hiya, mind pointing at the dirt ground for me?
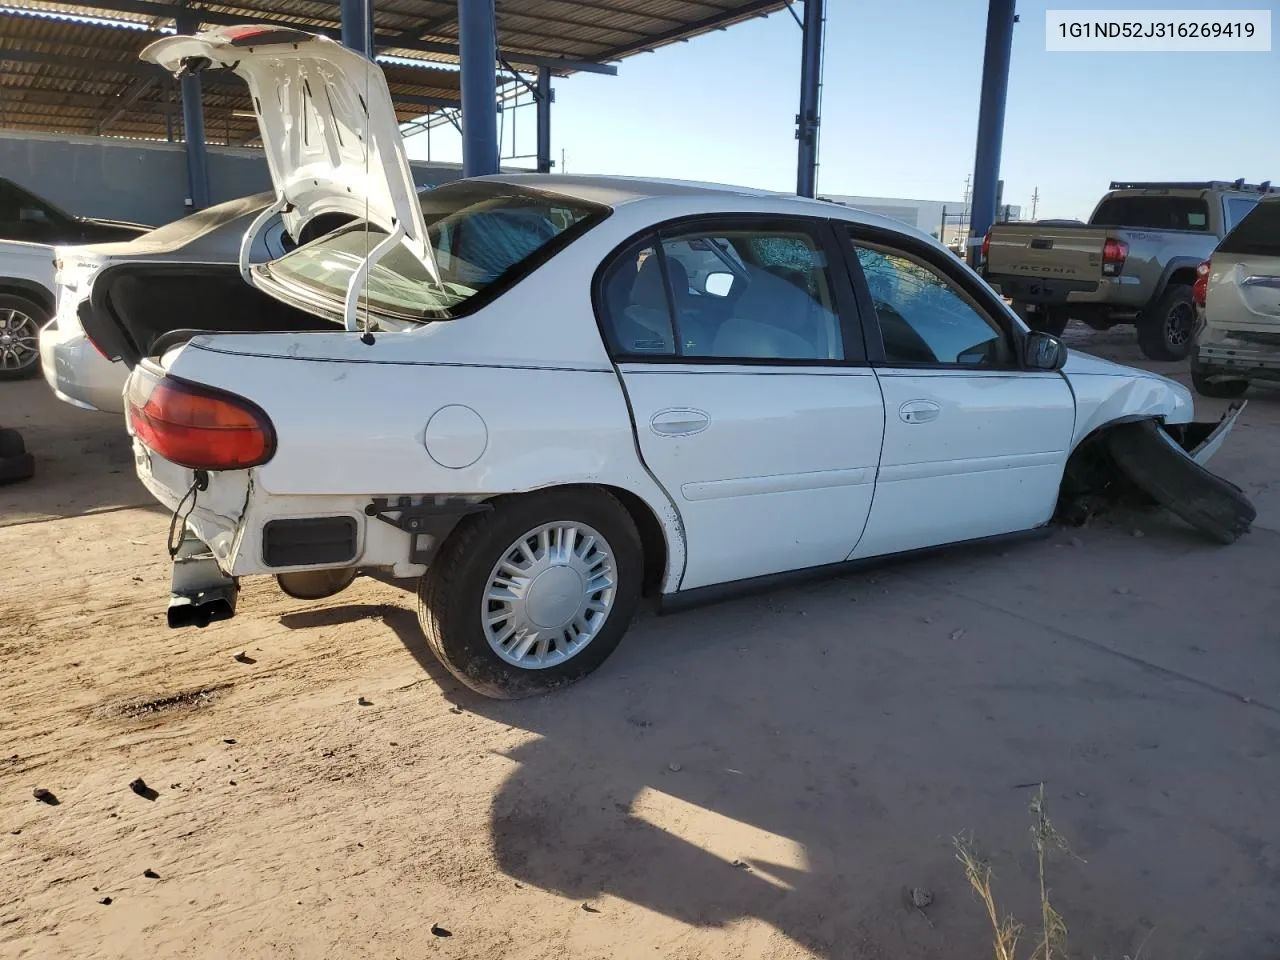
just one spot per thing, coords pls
(762, 779)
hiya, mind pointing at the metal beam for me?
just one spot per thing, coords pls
(382, 41)
(546, 97)
(357, 25)
(754, 8)
(140, 89)
(995, 87)
(477, 40)
(810, 116)
(193, 123)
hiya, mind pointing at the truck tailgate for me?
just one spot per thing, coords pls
(1062, 251)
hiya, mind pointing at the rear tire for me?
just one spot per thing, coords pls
(1218, 389)
(1166, 330)
(20, 323)
(1152, 460)
(525, 583)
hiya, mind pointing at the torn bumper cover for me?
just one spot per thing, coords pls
(1146, 462)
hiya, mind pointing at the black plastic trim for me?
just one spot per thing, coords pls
(718, 592)
(309, 541)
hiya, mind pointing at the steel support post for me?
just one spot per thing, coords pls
(810, 115)
(357, 25)
(478, 52)
(995, 88)
(193, 127)
(545, 99)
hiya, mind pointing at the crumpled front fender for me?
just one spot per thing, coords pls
(1109, 393)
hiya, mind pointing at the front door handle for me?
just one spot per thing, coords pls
(679, 422)
(919, 411)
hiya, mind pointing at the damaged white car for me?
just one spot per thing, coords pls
(550, 397)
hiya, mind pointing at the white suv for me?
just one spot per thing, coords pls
(1238, 288)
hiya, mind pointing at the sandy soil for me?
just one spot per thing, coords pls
(762, 779)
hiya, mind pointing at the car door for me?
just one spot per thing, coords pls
(751, 399)
(974, 446)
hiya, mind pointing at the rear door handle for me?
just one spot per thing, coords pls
(679, 422)
(919, 411)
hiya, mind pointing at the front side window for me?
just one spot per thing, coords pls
(483, 234)
(924, 318)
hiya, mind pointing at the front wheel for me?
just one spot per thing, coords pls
(535, 594)
(1167, 330)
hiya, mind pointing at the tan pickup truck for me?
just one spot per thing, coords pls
(1133, 262)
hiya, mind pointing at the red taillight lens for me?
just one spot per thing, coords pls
(198, 427)
(1114, 254)
(986, 245)
(1200, 289)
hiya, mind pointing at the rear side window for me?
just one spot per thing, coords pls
(485, 237)
(724, 294)
(1238, 208)
(1153, 213)
(1257, 235)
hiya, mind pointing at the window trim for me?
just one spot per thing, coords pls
(819, 229)
(980, 296)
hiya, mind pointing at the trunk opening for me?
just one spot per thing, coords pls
(140, 310)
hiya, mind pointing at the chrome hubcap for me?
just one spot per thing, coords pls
(549, 595)
(18, 340)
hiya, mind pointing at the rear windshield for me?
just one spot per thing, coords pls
(1257, 235)
(486, 236)
(1153, 213)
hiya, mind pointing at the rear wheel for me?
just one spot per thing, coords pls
(20, 323)
(535, 594)
(1167, 330)
(1218, 389)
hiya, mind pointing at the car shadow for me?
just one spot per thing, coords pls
(669, 779)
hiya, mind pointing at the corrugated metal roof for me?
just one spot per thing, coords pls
(71, 76)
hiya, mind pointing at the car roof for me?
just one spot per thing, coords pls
(617, 191)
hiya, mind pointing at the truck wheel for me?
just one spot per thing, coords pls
(1218, 389)
(1167, 329)
(535, 594)
(1151, 459)
(20, 323)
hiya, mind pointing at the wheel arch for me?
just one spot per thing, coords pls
(29, 290)
(661, 544)
(1179, 270)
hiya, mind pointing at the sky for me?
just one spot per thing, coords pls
(900, 109)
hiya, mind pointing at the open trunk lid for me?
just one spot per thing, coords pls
(328, 125)
(1062, 251)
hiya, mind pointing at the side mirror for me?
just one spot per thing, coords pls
(718, 284)
(1043, 351)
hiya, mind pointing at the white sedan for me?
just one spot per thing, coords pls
(549, 397)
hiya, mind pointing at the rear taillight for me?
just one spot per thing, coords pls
(198, 427)
(986, 245)
(1114, 254)
(1200, 289)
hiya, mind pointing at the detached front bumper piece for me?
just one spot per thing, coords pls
(200, 592)
(1169, 469)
